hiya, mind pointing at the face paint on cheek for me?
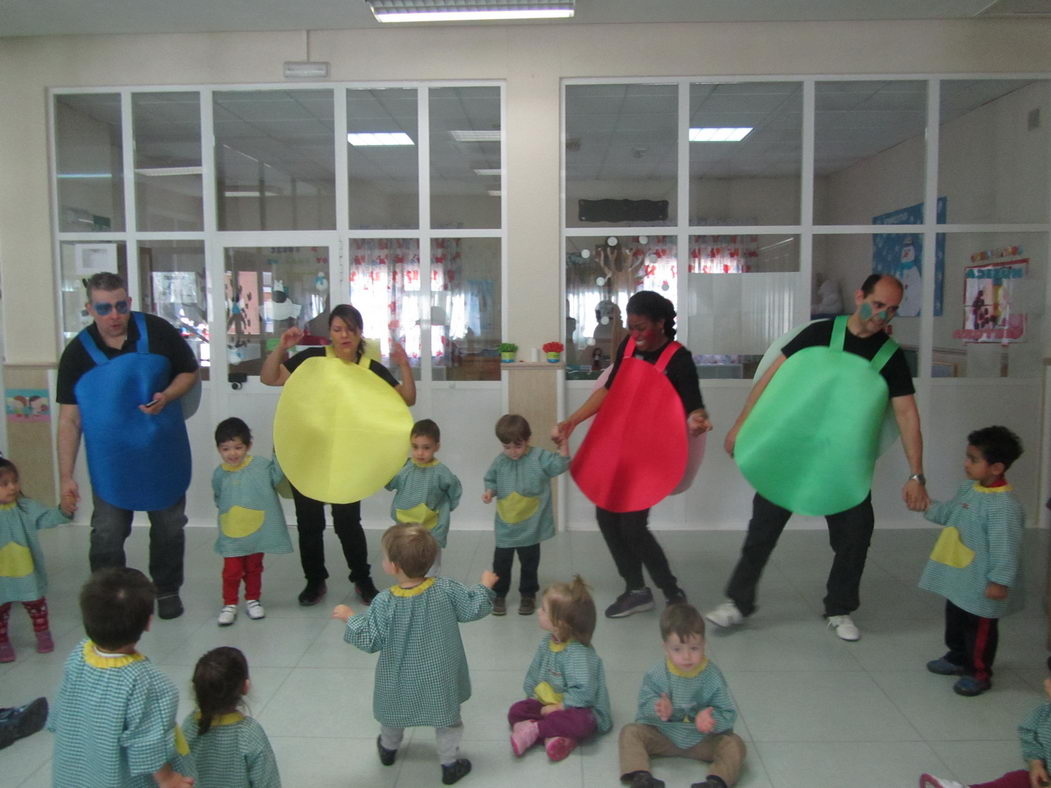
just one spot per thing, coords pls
(884, 316)
(865, 311)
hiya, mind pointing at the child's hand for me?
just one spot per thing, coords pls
(1038, 774)
(995, 591)
(662, 707)
(489, 578)
(342, 612)
(488, 495)
(166, 777)
(705, 721)
(68, 504)
(697, 422)
(550, 707)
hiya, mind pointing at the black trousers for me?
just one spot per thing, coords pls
(972, 641)
(849, 534)
(346, 519)
(528, 563)
(633, 546)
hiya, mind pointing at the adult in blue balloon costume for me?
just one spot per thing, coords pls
(118, 384)
(807, 439)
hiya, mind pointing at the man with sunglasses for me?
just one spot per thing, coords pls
(118, 384)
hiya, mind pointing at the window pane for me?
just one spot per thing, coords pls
(602, 273)
(172, 284)
(270, 289)
(89, 163)
(80, 260)
(384, 177)
(466, 140)
(869, 150)
(992, 151)
(465, 308)
(167, 129)
(755, 180)
(621, 155)
(275, 160)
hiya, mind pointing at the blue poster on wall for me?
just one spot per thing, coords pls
(901, 255)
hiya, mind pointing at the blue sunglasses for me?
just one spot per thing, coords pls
(123, 307)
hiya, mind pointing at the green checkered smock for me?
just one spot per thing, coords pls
(251, 519)
(22, 574)
(573, 671)
(689, 695)
(234, 753)
(114, 722)
(425, 495)
(421, 675)
(1035, 733)
(524, 486)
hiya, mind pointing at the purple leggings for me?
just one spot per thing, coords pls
(1018, 779)
(573, 723)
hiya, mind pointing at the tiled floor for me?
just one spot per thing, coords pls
(815, 711)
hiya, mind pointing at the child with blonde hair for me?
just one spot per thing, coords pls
(567, 700)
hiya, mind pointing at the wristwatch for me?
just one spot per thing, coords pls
(920, 478)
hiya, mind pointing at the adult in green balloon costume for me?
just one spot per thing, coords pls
(807, 439)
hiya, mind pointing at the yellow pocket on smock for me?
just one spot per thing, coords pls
(15, 560)
(240, 522)
(515, 508)
(546, 694)
(418, 515)
(950, 549)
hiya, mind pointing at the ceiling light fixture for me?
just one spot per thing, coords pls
(468, 10)
(161, 171)
(362, 139)
(477, 135)
(719, 134)
(483, 173)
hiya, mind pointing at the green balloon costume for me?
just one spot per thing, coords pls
(819, 419)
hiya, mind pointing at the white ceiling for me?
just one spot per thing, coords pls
(63, 17)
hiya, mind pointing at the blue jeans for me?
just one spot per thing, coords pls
(111, 525)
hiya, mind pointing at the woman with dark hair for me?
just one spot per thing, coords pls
(347, 344)
(651, 327)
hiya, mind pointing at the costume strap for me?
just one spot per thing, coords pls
(629, 348)
(839, 332)
(100, 358)
(669, 350)
(883, 355)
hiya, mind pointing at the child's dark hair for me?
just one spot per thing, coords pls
(218, 684)
(512, 428)
(233, 428)
(411, 548)
(683, 620)
(571, 610)
(352, 317)
(997, 444)
(655, 307)
(426, 428)
(116, 604)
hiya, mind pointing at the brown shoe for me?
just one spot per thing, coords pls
(527, 606)
(499, 606)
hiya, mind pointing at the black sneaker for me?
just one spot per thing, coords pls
(527, 606)
(712, 782)
(386, 756)
(17, 723)
(313, 592)
(455, 770)
(169, 606)
(643, 779)
(367, 590)
(500, 606)
(631, 602)
(676, 597)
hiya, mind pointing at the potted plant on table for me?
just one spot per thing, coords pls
(507, 352)
(554, 351)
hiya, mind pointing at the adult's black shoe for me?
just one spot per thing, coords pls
(312, 594)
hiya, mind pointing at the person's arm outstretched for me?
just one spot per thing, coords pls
(908, 417)
(274, 372)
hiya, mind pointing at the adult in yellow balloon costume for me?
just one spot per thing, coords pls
(341, 431)
(807, 439)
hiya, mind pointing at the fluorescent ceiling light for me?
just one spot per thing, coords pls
(476, 135)
(84, 175)
(468, 10)
(483, 173)
(251, 193)
(379, 138)
(719, 134)
(495, 193)
(158, 171)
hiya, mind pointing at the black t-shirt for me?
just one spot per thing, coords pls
(314, 352)
(895, 371)
(165, 340)
(680, 371)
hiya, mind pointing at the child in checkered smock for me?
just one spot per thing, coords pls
(22, 575)
(230, 749)
(567, 700)
(114, 716)
(426, 491)
(421, 675)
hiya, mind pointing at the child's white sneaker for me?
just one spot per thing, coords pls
(726, 615)
(930, 781)
(254, 609)
(227, 615)
(845, 627)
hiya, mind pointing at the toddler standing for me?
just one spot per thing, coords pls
(976, 562)
(22, 575)
(251, 521)
(520, 481)
(230, 749)
(426, 491)
(421, 675)
(567, 700)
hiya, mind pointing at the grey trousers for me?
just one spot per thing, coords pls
(447, 739)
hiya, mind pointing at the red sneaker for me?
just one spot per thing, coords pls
(558, 747)
(524, 735)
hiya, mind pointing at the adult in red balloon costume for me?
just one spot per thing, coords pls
(649, 404)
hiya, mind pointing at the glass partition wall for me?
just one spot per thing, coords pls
(235, 214)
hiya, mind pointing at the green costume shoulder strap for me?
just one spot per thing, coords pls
(839, 334)
(883, 354)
